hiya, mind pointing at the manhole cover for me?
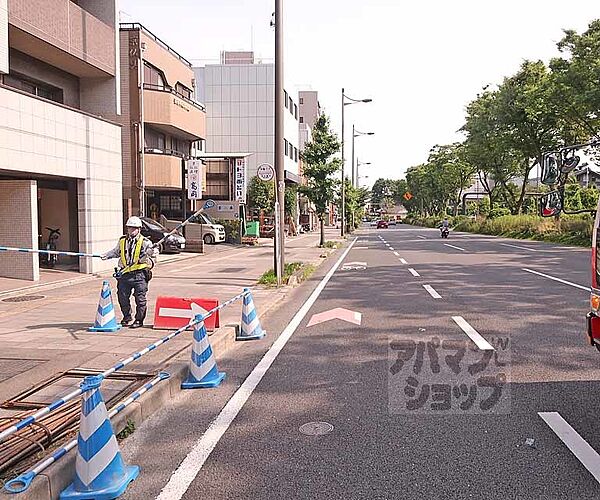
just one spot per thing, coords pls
(24, 298)
(231, 270)
(316, 428)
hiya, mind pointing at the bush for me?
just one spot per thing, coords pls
(232, 230)
(498, 212)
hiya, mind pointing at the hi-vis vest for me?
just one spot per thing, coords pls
(136, 256)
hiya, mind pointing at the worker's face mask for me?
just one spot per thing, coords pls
(132, 232)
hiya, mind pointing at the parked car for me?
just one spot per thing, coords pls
(211, 232)
(374, 223)
(156, 231)
(392, 222)
(382, 224)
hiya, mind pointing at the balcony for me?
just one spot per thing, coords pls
(174, 113)
(63, 35)
(162, 170)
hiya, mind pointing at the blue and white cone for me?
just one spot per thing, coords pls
(106, 321)
(100, 473)
(203, 366)
(250, 328)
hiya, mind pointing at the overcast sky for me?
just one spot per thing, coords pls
(420, 61)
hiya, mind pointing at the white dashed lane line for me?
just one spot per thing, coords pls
(422, 237)
(402, 261)
(413, 272)
(473, 334)
(432, 292)
(456, 248)
(396, 254)
(517, 246)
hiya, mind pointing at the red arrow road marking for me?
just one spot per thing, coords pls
(337, 313)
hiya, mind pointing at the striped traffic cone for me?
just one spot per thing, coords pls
(203, 366)
(100, 473)
(106, 321)
(250, 328)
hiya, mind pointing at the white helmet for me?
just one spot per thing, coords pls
(134, 222)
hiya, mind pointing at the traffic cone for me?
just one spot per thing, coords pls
(106, 320)
(203, 366)
(100, 473)
(250, 328)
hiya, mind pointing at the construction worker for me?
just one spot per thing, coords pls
(135, 253)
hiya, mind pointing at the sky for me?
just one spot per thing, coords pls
(421, 61)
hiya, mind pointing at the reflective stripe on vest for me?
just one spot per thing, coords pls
(136, 256)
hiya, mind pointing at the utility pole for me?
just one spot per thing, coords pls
(279, 241)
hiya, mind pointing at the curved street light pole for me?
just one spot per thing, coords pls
(343, 197)
(356, 133)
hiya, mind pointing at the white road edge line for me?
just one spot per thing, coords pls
(572, 440)
(187, 471)
(402, 261)
(517, 246)
(432, 292)
(413, 272)
(396, 254)
(586, 288)
(457, 248)
(473, 334)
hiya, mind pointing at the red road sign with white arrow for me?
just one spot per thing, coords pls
(337, 313)
(172, 313)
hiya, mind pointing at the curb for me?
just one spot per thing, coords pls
(48, 484)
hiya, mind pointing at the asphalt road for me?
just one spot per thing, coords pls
(419, 407)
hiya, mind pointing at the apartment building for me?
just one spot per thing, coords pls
(60, 148)
(161, 119)
(239, 95)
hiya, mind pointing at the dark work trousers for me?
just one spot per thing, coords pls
(134, 281)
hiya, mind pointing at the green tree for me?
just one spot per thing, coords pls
(319, 169)
(261, 195)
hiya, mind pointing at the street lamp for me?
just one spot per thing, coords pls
(358, 164)
(356, 133)
(344, 103)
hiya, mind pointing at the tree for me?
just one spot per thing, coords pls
(319, 169)
(261, 195)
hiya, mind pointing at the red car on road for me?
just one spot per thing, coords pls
(382, 224)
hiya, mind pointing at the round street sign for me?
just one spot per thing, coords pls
(209, 204)
(265, 172)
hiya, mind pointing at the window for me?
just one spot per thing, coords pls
(295, 112)
(180, 146)
(301, 99)
(153, 76)
(154, 139)
(285, 98)
(296, 155)
(285, 147)
(170, 203)
(301, 119)
(291, 108)
(40, 89)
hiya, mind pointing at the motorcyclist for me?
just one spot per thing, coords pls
(444, 225)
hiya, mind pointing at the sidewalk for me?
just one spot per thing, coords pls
(46, 336)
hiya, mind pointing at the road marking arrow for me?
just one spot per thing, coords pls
(173, 312)
(337, 313)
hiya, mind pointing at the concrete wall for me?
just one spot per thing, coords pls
(38, 137)
(19, 228)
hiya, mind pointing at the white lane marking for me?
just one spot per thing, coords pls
(402, 261)
(473, 334)
(572, 440)
(432, 292)
(413, 272)
(392, 248)
(188, 469)
(361, 248)
(457, 248)
(586, 288)
(422, 237)
(396, 254)
(520, 248)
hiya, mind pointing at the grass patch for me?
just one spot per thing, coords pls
(331, 244)
(127, 431)
(270, 279)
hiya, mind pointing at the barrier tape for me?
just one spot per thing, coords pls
(22, 481)
(52, 252)
(72, 395)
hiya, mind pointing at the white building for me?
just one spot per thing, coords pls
(239, 96)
